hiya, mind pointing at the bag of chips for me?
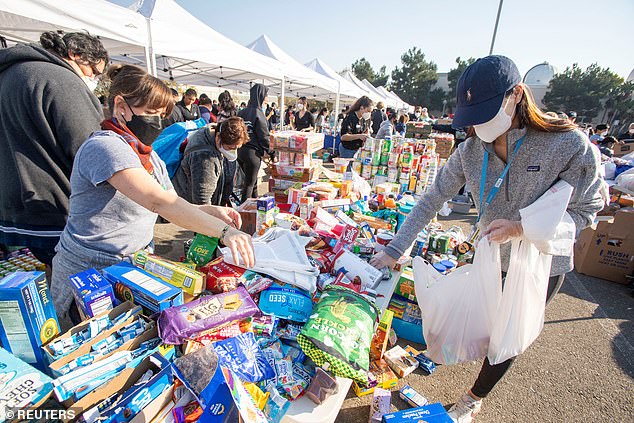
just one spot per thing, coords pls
(339, 332)
(202, 249)
(243, 355)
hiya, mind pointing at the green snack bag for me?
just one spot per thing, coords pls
(339, 332)
(202, 249)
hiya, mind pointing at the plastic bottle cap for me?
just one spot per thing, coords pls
(448, 264)
(440, 268)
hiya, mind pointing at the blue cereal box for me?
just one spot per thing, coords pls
(432, 413)
(21, 386)
(133, 284)
(27, 316)
(93, 293)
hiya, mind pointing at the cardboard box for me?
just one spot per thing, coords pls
(293, 173)
(133, 284)
(385, 377)
(27, 316)
(86, 348)
(606, 250)
(432, 413)
(125, 307)
(136, 399)
(190, 281)
(380, 338)
(405, 285)
(157, 408)
(93, 294)
(400, 361)
(621, 150)
(22, 385)
(248, 213)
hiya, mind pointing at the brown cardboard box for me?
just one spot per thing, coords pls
(621, 150)
(607, 250)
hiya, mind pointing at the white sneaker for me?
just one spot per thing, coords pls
(465, 409)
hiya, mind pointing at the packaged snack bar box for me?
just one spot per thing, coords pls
(133, 284)
(21, 386)
(93, 293)
(27, 316)
(176, 274)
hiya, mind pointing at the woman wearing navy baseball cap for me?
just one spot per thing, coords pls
(511, 139)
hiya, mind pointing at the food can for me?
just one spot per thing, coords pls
(385, 158)
(366, 172)
(387, 146)
(384, 238)
(392, 160)
(357, 166)
(374, 170)
(392, 174)
(376, 159)
(367, 161)
(404, 177)
(382, 171)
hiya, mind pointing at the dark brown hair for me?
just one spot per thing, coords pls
(361, 102)
(84, 45)
(404, 118)
(233, 132)
(226, 103)
(139, 88)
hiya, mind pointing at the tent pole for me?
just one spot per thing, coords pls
(334, 139)
(149, 50)
(282, 106)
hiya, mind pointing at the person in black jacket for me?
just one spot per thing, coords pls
(355, 128)
(187, 106)
(48, 111)
(250, 155)
(176, 115)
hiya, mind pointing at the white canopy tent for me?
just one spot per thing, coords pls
(300, 80)
(398, 103)
(349, 76)
(121, 30)
(377, 93)
(347, 88)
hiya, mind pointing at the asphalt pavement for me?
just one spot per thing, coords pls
(580, 369)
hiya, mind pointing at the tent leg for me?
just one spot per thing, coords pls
(282, 106)
(150, 59)
(334, 139)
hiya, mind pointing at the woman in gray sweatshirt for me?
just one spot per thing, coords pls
(521, 152)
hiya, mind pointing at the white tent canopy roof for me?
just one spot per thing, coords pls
(347, 88)
(349, 76)
(218, 61)
(301, 80)
(121, 30)
(373, 89)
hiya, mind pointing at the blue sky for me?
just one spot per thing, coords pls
(560, 32)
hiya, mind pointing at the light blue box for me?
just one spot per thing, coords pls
(22, 385)
(93, 293)
(432, 413)
(27, 316)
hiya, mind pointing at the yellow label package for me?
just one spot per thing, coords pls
(176, 274)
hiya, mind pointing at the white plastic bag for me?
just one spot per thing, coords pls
(609, 170)
(520, 318)
(547, 224)
(458, 309)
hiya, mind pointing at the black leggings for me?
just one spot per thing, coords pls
(490, 374)
(250, 162)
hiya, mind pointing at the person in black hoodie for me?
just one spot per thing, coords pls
(49, 110)
(250, 155)
(187, 106)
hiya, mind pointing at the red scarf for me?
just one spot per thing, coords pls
(141, 150)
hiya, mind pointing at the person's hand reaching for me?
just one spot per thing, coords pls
(502, 231)
(381, 260)
(241, 247)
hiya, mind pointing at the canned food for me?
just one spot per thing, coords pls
(366, 172)
(357, 166)
(376, 159)
(374, 170)
(382, 171)
(384, 238)
(392, 174)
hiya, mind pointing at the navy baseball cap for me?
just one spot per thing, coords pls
(481, 88)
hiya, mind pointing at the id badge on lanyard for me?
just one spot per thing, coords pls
(475, 231)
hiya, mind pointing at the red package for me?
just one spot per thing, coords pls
(347, 238)
(221, 276)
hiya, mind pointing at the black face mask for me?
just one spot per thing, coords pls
(145, 128)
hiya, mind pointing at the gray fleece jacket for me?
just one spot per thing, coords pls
(200, 178)
(543, 159)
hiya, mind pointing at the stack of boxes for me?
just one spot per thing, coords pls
(444, 144)
(417, 130)
(295, 164)
(407, 321)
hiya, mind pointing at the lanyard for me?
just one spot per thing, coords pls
(496, 188)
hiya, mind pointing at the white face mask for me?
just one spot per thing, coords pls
(91, 83)
(501, 122)
(230, 155)
(299, 107)
(366, 115)
(417, 114)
